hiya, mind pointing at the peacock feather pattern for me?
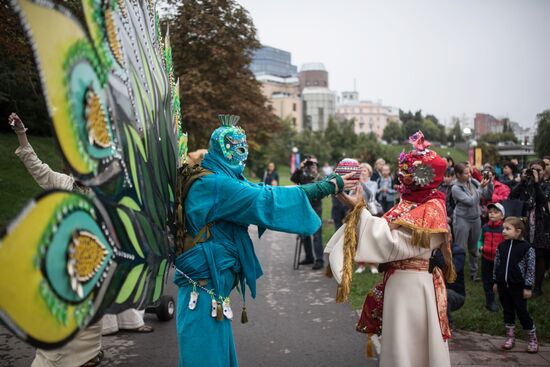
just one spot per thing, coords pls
(114, 103)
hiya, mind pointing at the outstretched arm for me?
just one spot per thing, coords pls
(19, 129)
(285, 209)
(44, 176)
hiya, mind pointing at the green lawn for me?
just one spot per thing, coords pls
(17, 187)
(472, 316)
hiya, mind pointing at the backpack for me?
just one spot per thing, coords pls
(450, 202)
(187, 175)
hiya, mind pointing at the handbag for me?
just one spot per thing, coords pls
(374, 207)
(436, 260)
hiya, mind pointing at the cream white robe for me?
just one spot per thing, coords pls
(411, 335)
(87, 343)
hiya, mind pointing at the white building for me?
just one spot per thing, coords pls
(283, 95)
(368, 116)
(319, 102)
(525, 135)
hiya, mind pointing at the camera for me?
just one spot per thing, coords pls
(529, 172)
(309, 161)
(485, 175)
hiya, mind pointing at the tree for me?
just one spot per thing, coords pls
(494, 138)
(277, 150)
(410, 127)
(405, 116)
(20, 88)
(506, 125)
(418, 116)
(312, 143)
(489, 153)
(430, 130)
(542, 137)
(433, 119)
(212, 45)
(392, 132)
(369, 148)
(455, 135)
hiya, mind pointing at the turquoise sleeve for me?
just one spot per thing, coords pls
(318, 190)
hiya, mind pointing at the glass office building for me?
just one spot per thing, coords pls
(272, 61)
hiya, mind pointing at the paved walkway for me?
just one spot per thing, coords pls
(293, 322)
(473, 349)
(299, 317)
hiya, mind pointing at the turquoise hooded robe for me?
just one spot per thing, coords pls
(231, 203)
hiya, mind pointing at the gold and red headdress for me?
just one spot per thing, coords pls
(421, 170)
(422, 205)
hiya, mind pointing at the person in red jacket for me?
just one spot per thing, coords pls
(494, 192)
(491, 237)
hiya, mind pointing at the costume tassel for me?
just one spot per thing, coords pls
(244, 316)
(328, 271)
(219, 312)
(370, 350)
(350, 247)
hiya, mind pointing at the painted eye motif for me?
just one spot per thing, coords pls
(232, 141)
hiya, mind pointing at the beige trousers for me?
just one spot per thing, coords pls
(85, 346)
(129, 319)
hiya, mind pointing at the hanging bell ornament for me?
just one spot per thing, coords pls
(227, 312)
(193, 299)
(214, 310)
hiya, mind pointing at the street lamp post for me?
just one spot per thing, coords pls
(294, 159)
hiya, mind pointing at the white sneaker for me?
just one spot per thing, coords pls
(360, 269)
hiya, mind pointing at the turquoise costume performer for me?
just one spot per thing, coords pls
(224, 204)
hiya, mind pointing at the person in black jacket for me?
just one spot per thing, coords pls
(534, 192)
(513, 278)
(456, 292)
(446, 188)
(308, 173)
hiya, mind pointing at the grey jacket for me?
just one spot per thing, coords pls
(467, 201)
(44, 176)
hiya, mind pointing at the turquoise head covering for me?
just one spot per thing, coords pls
(228, 150)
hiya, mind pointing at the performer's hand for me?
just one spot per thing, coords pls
(15, 122)
(347, 200)
(527, 293)
(495, 288)
(536, 175)
(19, 129)
(349, 182)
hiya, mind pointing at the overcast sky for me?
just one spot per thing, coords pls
(446, 57)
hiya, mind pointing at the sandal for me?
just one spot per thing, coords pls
(145, 328)
(95, 361)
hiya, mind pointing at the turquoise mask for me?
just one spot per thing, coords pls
(230, 140)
